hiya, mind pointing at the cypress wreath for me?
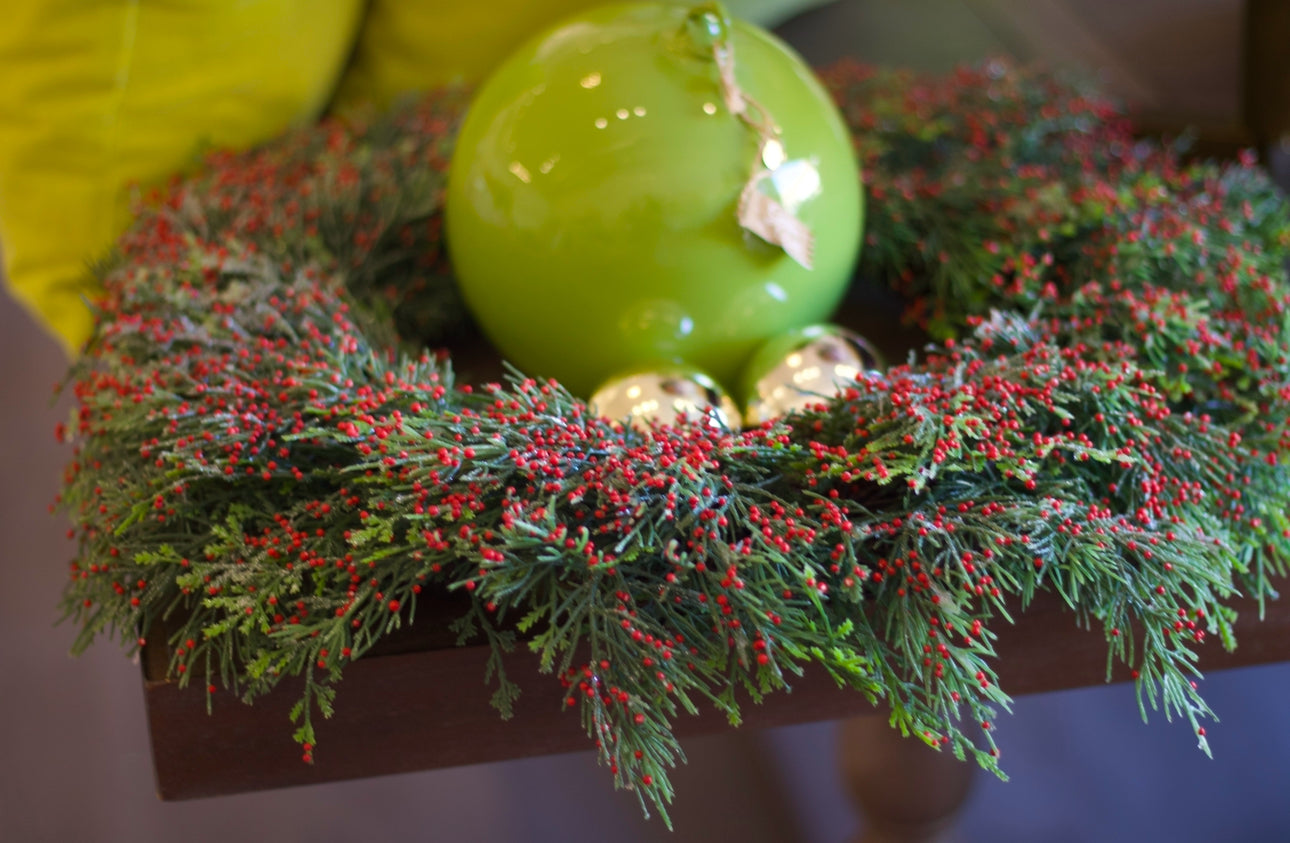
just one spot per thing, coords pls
(267, 457)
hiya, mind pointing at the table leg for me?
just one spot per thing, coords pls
(1267, 82)
(908, 792)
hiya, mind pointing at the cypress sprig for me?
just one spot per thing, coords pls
(269, 465)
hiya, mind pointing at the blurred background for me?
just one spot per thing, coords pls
(74, 762)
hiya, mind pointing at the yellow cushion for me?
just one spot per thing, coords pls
(413, 45)
(96, 96)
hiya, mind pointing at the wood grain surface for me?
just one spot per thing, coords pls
(428, 708)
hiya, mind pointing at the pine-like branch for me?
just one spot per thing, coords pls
(267, 462)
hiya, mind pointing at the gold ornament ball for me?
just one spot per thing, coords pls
(663, 396)
(802, 368)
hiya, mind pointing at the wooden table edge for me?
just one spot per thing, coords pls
(429, 709)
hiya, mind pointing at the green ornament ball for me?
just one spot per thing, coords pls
(650, 184)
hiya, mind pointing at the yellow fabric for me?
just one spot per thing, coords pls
(95, 96)
(412, 45)
(99, 95)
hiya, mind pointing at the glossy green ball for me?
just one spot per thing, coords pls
(591, 210)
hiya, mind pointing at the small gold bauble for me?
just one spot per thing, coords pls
(664, 396)
(802, 368)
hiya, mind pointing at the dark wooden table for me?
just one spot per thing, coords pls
(414, 708)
